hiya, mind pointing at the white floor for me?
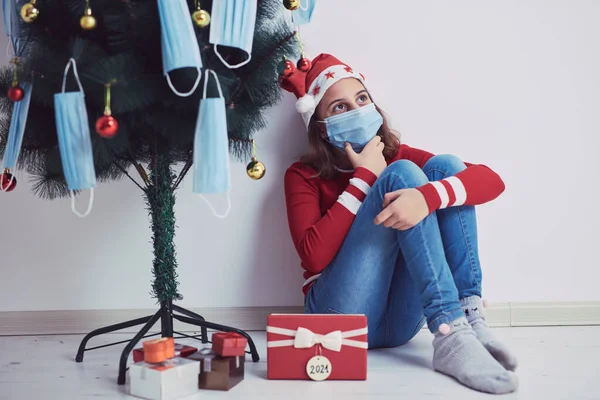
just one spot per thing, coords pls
(555, 363)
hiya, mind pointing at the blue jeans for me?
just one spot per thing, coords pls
(399, 279)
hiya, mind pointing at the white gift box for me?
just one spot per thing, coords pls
(170, 380)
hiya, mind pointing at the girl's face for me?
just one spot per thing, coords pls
(345, 95)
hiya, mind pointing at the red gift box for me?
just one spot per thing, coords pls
(181, 350)
(229, 344)
(294, 342)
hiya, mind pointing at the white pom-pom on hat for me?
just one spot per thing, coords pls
(305, 104)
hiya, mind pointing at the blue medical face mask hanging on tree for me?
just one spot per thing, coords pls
(179, 45)
(74, 140)
(304, 13)
(232, 24)
(16, 133)
(211, 148)
(20, 108)
(11, 21)
(356, 127)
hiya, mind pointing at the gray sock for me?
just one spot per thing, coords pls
(473, 308)
(459, 354)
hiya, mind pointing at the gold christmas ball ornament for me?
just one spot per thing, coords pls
(29, 12)
(88, 22)
(291, 5)
(201, 18)
(256, 169)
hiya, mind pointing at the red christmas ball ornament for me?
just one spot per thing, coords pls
(16, 93)
(304, 64)
(288, 68)
(107, 126)
(5, 182)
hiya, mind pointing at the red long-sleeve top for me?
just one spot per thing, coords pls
(321, 211)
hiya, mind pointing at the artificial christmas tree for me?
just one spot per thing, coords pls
(134, 62)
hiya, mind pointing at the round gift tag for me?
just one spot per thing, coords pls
(318, 368)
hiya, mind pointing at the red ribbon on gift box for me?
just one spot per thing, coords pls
(228, 344)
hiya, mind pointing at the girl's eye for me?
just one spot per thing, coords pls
(339, 107)
(363, 98)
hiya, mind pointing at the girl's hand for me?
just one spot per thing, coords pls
(403, 209)
(371, 157)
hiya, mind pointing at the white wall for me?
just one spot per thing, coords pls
(512, 84)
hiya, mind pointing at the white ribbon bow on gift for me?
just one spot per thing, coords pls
(305, 338)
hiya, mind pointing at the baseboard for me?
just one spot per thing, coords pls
(84, 321)
(254, 318)
(555, 314)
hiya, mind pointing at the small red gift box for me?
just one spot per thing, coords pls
(317, 346)
(181, 350)
(229, 344)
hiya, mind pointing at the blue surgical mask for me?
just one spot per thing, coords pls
(16, 132)
(74, 142)
(11, 20)
(304, 13)
(356, 127)
(178, 41)
(211, 148)
(232, 24)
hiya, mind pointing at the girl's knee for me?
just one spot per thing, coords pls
(447, 164)
(404, 174)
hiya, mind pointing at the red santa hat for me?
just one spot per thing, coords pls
(310, 86)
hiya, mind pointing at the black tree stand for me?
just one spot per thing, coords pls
(166, 313)
(160, 198)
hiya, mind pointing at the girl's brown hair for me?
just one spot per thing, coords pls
(320, 155)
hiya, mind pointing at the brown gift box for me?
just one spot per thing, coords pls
(216, 372)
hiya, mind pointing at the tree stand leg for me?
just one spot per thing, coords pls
(133, 342)
(198, 317)
(107, 329)
(166, 313)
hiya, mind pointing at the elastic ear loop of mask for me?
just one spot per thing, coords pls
(222, 216)
(91, 201)
(90, 204)
(178, 93)
(304, 8)
(71, 61)
(229, 65)
(206, 83)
